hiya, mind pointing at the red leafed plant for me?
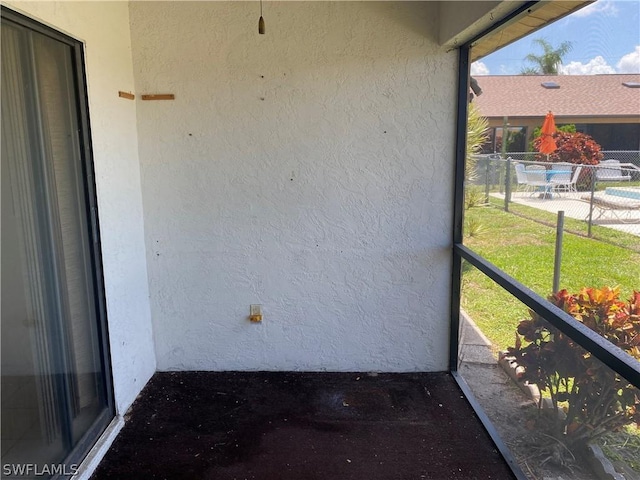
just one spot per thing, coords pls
(573, 147)
(596, 400)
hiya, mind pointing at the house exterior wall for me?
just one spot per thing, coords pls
(309, 170)
(104, 29)
(531, 123)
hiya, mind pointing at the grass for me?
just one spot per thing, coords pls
(573, 225)
(603, 185)
(524, 249)
(623, 446)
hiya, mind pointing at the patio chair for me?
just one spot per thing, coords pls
(561, 175)
(609, 208)
(566, 182)
(521, 178)
(537, 180)
(611, 171)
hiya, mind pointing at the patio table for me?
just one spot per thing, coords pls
(545, 191)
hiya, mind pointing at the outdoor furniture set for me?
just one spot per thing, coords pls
(537, 179)
(562, 177)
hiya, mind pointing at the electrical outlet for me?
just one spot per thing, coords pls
(255, 313)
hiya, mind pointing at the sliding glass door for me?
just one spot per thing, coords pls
(56, 393)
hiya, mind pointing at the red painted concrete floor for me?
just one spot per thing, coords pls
(297, 426)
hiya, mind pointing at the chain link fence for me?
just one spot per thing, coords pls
(600, 201)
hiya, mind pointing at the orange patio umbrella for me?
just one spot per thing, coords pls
(547, 143)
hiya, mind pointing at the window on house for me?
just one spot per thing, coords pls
(614, 136)
(515, 139)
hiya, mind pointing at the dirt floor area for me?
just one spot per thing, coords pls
(197, 425)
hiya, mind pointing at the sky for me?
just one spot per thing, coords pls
(605, 38)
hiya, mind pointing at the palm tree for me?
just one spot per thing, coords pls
(548, 62)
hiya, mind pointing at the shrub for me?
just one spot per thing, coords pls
(598, 400)
(569, 128)
(474, 196)
(477, 136)
(577, 148)
(473, 227)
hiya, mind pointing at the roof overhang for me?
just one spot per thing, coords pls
(522, 24)
(463, 21)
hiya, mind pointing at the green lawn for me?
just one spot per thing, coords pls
(525, 250)
(572, 225)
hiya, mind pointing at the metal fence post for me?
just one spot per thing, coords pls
(487, 173)
(593, 189)
(507, 186)
(557, 262)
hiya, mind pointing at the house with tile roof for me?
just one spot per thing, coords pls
(607, 107)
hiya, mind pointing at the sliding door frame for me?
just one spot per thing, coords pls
(81, 106)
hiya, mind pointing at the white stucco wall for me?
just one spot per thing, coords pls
(308, 170)
(104, 28)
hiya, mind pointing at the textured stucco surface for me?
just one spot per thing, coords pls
(104, 29)
(308, 170)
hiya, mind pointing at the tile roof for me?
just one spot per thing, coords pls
(578, 95)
